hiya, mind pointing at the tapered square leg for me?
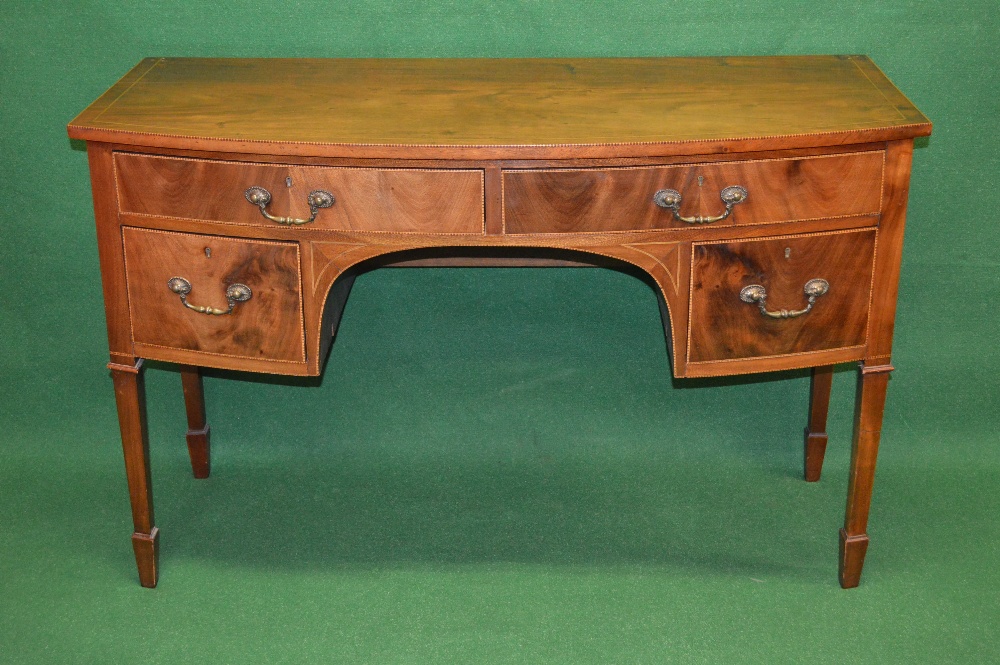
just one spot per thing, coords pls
(199, 433)
(868, 409)
(147, 555)
(815, 434)
(852, 559)
(130, 399)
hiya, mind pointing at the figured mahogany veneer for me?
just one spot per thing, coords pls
(501, 163)
(387, 200)
(267, 326)
(726, 328)
(621, 199)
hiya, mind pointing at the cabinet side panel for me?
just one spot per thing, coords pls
(109, 246)
(899, 157)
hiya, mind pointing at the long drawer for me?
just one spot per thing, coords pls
(600, 200)
(432, 201)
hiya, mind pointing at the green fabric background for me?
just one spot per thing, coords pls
(497, 467)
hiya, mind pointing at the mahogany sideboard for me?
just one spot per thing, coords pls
(765, 197)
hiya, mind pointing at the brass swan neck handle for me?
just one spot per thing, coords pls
(671, 200)
(234, 293)
(755, 293)
(317, 199)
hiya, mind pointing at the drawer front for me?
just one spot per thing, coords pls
(726, 321)
(394, 200)
(434, 201)
(267, 326)
(621, 199)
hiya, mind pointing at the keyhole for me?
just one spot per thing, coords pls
(288, 181)
(208, 252)
(701, 180)
(788, 252)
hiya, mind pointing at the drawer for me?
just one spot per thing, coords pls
(727, 321)
(434, 201)
(622, 199)
(267, 326)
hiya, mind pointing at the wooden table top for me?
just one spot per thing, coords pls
(501, 108)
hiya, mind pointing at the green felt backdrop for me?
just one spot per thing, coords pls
(497, 467)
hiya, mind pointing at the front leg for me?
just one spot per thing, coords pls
(130, 398)
(199, 433)
(868, 408)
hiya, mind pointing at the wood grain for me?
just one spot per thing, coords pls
(493, 109)
(109, 247)
(665, 262)
(382, 200)
(869, 405)
(266, 327)
(759, 364)
(456, 243)
(442, 161)
(493, 199)
(899, 156)
(502, 162)
(197, 188)
(130, 398)
(393, 200)
(723, 327)
(780, 190)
